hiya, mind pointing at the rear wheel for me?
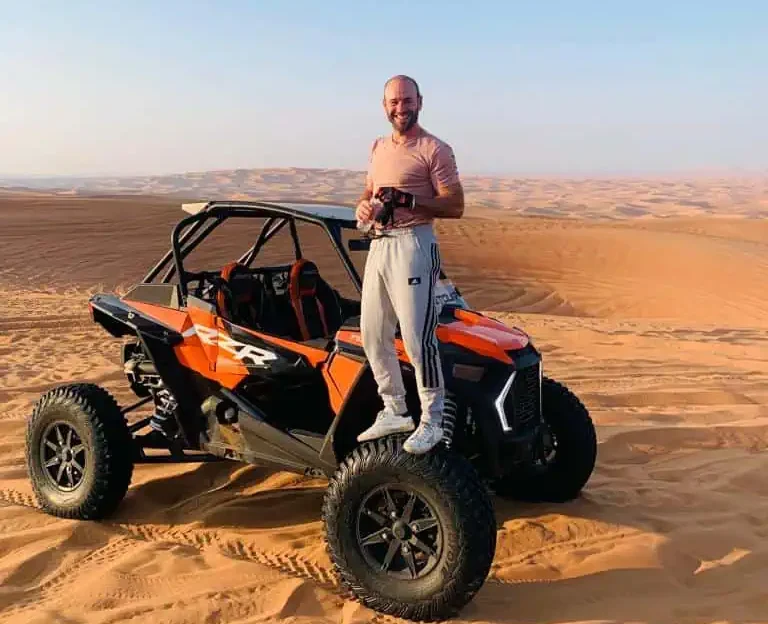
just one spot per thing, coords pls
(410, 536)
(568, 452)
(79, 452)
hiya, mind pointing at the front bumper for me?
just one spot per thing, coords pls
(506, 409)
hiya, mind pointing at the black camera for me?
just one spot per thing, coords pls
(391, 198)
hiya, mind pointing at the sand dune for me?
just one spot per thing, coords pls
(590, 198)
(660, 325)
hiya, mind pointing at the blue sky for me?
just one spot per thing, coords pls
(564, 88)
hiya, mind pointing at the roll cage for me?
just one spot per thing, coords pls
(206, 217)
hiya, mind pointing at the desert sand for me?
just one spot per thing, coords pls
(658, 321)
(605, 198)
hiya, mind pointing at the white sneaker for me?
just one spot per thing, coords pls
(386, 423)
(424, 439)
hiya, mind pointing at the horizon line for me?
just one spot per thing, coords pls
(698, 172)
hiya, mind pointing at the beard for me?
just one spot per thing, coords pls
(399, 125)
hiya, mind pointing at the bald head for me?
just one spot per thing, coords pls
(402, 102)
(402, 78)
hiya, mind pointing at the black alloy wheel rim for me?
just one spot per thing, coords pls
(63, 456)
(548, 446)
(398, 532)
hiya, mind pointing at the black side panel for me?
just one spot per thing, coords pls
(266, 442)
(158, 340)
(347, 348)
(182, 384)
(115, 325)
(115, 315)
(525, 357)
(310, 438)
(356, 414)
(287, 361)
(352, 323)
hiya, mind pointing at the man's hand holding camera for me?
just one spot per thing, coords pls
(383, 205)
(392, 198)
(397, 198)
(364, 211)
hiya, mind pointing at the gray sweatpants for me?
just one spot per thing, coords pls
(398, 285)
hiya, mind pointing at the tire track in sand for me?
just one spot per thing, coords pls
(286, 562)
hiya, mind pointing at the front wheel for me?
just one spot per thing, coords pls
(568, 453)
(409, 536)
(79, 452)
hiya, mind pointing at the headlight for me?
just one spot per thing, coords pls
(499, 403)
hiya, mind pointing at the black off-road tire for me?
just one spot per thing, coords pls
(564, 477)
(99, 438)
(445, 483)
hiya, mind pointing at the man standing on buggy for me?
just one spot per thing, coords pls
(412, 179)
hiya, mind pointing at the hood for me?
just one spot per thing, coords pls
(482, 335)
(465, 328)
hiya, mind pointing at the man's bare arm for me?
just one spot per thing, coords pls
(449, 203)
(367, 194)
(363, 210)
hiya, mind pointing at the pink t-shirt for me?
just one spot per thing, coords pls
(420, 166)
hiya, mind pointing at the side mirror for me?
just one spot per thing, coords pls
(359, 244)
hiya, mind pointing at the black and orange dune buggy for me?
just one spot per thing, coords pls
(262, 363)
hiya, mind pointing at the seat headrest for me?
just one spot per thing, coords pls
(305, 275)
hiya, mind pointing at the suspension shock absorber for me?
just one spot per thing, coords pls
(163, 420)
(450, 413)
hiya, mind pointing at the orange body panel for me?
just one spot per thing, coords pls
(482, 335)
(226, 362)
(352, 337)
(205, 334)
(204, 348)
(192, 356)
(340, 376)
(199, 351)
(482, 340)
(475, 318)
(175, 319)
